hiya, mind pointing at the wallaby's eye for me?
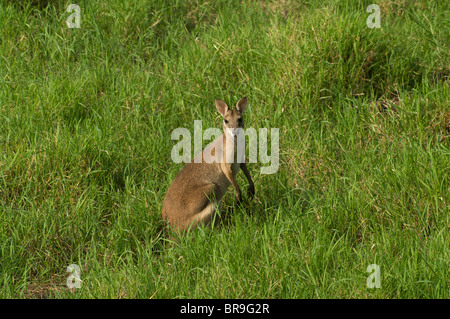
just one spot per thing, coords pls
(226, 121)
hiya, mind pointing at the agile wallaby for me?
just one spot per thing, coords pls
(196, 193)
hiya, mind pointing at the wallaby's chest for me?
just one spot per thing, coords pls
(235, 155)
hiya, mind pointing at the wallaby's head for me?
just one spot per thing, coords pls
(232, 119)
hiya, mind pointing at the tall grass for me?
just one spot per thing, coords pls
(364, 122)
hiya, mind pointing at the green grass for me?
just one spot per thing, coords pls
(364, 119)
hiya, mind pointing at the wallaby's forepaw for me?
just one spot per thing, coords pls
(251, 191)
(238, 198)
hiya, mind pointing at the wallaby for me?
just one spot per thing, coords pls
(196, 193)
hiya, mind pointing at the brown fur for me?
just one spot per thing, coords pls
(195, 194)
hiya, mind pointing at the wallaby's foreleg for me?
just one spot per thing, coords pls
(228, 173)
(251, 186)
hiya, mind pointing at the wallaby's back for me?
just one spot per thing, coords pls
(192, 190)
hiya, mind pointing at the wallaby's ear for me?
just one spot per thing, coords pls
(241, 105)
(222, 107)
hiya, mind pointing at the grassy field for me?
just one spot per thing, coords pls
(86, 116)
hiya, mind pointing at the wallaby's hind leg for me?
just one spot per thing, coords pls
(203, 208)
(206, 216)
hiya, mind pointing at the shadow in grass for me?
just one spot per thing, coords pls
(45, 290)
(106, 169)
(36, 4)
